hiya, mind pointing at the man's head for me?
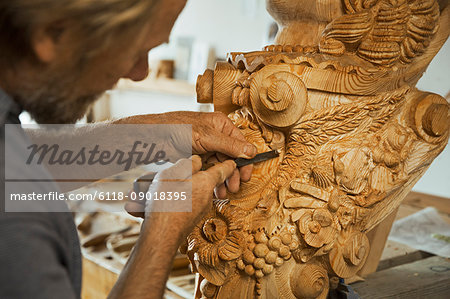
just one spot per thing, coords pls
(58, 56)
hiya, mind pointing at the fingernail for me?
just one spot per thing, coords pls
(250, 150)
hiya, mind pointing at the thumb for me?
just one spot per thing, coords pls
(196, 163)
(229, 146)
(217, 174)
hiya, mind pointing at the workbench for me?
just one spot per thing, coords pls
(402, 272)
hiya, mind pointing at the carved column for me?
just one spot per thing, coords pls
(337, 96)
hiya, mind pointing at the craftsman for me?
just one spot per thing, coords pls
(56, 58)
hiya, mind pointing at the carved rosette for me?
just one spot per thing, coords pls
(339, 103)
(317, 227)
(218, 239)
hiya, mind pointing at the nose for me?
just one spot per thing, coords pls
(140, 70)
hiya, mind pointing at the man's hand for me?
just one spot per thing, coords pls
(162, 233)
(213, 135)
(185, 175)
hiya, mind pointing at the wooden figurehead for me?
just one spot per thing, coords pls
(336, 94)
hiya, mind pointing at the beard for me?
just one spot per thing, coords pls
(54, 97)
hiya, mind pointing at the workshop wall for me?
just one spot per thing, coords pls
(232, 25)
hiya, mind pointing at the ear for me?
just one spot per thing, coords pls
(44, 46)
(45, 42)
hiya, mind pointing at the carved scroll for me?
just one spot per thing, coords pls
(336, 96)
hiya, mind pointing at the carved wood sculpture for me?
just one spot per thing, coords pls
(336, 95)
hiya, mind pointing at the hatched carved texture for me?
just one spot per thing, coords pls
(336, 95)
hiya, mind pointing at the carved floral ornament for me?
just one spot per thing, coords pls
(336, 96)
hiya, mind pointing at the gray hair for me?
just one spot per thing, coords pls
(98, 21)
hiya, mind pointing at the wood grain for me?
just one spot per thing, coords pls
(336, 94)
(427, 278)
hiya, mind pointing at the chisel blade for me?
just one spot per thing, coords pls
(258, 158)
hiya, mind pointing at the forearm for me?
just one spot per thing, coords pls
(175, 117)
(106, 150)
(148, 268)
(71, 139)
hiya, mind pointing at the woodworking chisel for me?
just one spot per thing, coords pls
(240, 162)
(258, 158)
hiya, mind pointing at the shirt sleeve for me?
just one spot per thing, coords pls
(33, 258)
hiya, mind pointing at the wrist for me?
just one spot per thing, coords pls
(161, 226)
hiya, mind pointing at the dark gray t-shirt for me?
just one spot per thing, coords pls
(39, 252)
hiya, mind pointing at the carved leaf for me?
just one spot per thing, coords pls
(304, 202)
(331, 122)
(215, 275)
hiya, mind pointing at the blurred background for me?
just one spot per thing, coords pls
(204, 33)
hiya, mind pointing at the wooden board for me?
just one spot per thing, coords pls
(422, 200)
(395, 254)
(427, 278)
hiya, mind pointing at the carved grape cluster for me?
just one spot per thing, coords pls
(265, 253)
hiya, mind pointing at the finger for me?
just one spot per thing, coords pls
(196, 164)
(221, 157)
(234, 181)
(235, 132)
(207, 156)
(231, 130)
(221, 191)
(227, 126)
(182, 170)
(213, 159)
(246, 173)
(217, 174)
(229, 146)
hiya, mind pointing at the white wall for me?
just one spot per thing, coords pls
(125, 103)
(437, 78)
(436, 180)
(227, 25)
